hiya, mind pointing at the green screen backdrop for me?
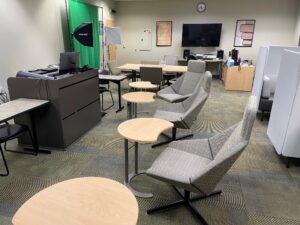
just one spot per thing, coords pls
(80, 12)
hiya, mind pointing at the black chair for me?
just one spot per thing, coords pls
(9, 132)
(191, 57)
(104, 88)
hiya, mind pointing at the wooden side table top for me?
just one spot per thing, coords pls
(81, 201)
(143, 85)
(139, 97)
(143, 130)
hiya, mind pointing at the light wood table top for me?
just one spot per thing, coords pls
(143, 130)
(81, 201)
(167, 68)
(140, 97)
(143, 85)
(19, 106)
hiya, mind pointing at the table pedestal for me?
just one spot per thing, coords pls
(129, 177)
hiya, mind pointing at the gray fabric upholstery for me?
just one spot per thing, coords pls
(152, 74)
(186, 84)
(199, 147)
(176, 167)
(198, 165)
(196, 66)
(184, 113)
(190, 82)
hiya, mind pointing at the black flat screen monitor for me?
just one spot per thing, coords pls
(201, 35)
(69, 62)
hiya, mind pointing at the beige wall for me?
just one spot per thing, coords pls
(275, 24)
(31, 35)
(297, 31)
(34, 32)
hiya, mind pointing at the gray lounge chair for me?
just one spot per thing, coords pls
(199, 165)
(183, 114)
(186, 84)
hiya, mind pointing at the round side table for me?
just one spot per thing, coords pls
(143, 85)
(81, 201)
(134, 98)
(140, 130)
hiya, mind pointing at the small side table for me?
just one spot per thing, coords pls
(140, 130)
(81, 201)
(143, 85)
(134, 98)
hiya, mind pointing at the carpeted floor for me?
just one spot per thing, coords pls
(258, 190)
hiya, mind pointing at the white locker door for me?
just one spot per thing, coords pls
(283, 100)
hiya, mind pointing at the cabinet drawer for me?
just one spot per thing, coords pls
(80, 122)
(77, 96)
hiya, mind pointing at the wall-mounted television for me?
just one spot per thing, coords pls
(201, 35)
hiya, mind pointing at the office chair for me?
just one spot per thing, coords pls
(9, 132)
(104, 89)
(170, 60)
(152, 74)
(199, 165)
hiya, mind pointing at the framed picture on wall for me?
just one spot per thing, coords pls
(244, 33)
(163, 33)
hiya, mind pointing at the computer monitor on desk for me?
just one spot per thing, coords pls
(69, 62)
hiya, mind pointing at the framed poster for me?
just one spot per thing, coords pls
(163, 33)
(244, 33)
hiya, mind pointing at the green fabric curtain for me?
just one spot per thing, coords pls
(80, 12)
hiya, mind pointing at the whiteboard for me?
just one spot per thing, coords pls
(145, 40)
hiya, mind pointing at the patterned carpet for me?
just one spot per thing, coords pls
(258, 190)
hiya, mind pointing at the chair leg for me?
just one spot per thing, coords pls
(102, 109)
(173, 138)
(5, 164)
(113, 102)
(187, 201)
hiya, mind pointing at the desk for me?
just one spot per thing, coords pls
(21, 106)
(134, 98)
(239, 78)
(134, 68)
(80, 201)
(141, 130)
(117, 80)
(209, 63)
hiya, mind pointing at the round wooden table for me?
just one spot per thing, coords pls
(140, 130)
(143, 85)
(81, 201)
(134, 98)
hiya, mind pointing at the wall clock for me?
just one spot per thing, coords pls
(201, 7)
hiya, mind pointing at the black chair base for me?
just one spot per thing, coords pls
(102, 90)
(5, 163)
(173, 138)
(186, 200)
